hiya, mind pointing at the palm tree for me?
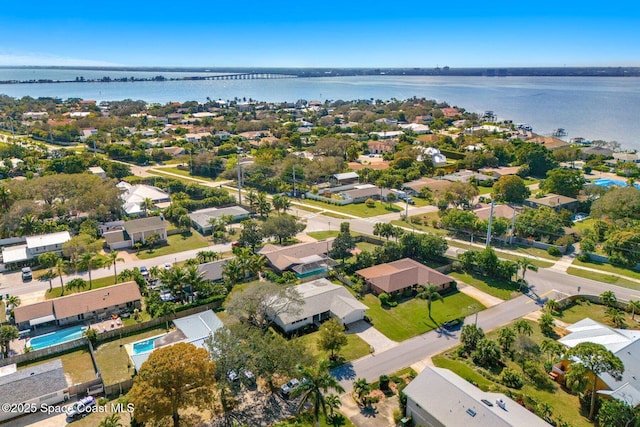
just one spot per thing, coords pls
(5, 199)
(179, 198)
(616, 316)
(146, 205)
(552, 305)
(523, 327)
(263, 205)
(526, 264)
(608, 298)
(112, 259)
(112, 420)
(29, 225)
(252, 199)
(634, 306)
(281, 203)
(506, 338)
(154, 272)
(13, 300)
(430, 293)
(49, 275)
(333, 403)
(255, 264)
(175, 278)
(76, 284)
(61, 265)
(232, 273)
(361, 388)
(312, 389)
(90, 260)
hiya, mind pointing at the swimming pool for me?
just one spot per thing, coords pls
(606, 182)
(57, 337)
(144, 346)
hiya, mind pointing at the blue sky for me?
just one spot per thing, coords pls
(320, 34)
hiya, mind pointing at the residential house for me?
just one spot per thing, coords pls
(551, 143)
(438, 397)
(136, 230)
(450, 113)
(379, 147)
(323, 300)
(361, 193)
(134, 195)
(626, 157)
(468, 175)
(196, 137)
(596, 151)
(43, 384)
(35, 115)
(86, 133)
(623, 343)
(212, 271)
(345, 178)
(499, 211)
(432, 153)
(435, 185)
(81, 307)
(194, 329)
(553, 201)
(304, 259)
(34, 246)
(392, 134)
(201, 219)
(501, 171)
(97, 170)
(403, 274)
(386, 121)
(416, 128)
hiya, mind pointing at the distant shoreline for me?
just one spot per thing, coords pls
(232, 73)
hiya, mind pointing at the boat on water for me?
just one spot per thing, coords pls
(559, 132)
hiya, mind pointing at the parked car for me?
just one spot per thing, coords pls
(82, 408)
(248, 376)
(167, 266)
(233, 376)
(287, 388)
(27, 274)
(453, 324)
(144, 271)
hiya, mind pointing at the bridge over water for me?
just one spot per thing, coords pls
(246, 76)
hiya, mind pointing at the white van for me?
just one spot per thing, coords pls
(27, 274)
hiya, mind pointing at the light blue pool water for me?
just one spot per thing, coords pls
(57, 337)
(144, 346)
(606, 182)
(312, 272)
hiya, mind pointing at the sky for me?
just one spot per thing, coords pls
(330, 33)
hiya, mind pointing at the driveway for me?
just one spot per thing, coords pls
(371, 335)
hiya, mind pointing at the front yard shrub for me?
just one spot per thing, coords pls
(384, 298)
(553, 251)
(370, 203)
(511, 378)
(384, 382)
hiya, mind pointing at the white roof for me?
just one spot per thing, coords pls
(138, 193)
(321, 295)
(345, 175)
(96, 170)
(588, 330)
(624, 343)
(202, 216)
(48, 239)
(14, 253)
(455, 402)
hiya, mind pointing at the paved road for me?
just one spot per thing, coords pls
(418, 348)
(11, 283)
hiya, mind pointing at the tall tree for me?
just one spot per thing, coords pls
(88, 261)
(609, 299)
(525, 264)
(510, 189)
(147, 205)
(312, 390)
(113, 259)
(281, 203)
(49, 275)
(282, 227)
(61, 265)
(430, 293)
(263, 206)
(597, 360)
(8, 333)
(250, 235)
(173, 378)
(506, 338)
(343, 244)
(470, 336)
(332, 337)
(566, 182)
(523, 327)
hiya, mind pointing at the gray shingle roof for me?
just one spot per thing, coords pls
(33, 382)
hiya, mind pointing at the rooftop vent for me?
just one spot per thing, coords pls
(501, 403)
(471, 412)
(486, 402)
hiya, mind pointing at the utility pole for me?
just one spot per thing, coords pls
(513, 226)
(406, 207)
(489, 227)
(294, 180)
(239, 181)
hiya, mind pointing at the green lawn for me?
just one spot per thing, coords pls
(410, 317)
(175, 170)
(584, 225)
(483, 191)
(95, 284)
(605, 278)
(498, 288)
(606, 267)
(357, 209)
(585, 309)
(113, 360)
(355, 348)
(321, 235)
(505, 255)
(76, 364)
(176, 243)
(563, 404)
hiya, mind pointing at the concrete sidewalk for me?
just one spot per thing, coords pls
(475, 293)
